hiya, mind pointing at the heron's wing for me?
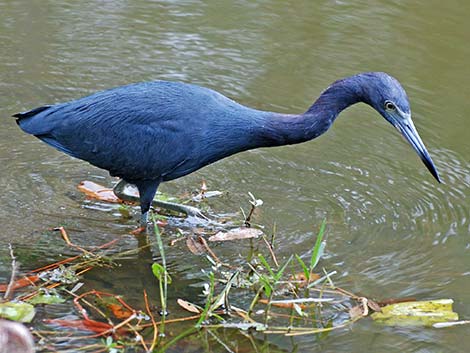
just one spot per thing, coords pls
(51, 141)
(136, 131)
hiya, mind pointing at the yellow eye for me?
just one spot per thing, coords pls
(389, 105)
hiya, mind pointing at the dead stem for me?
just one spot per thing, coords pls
(347, 293)
(172, 321)
(154, 324)
(271, 251)
(208, 249)
(14, 269)
(67, 240)
(121, 324)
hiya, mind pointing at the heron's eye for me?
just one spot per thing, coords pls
(389, 106)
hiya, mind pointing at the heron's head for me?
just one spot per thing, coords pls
(386, 95)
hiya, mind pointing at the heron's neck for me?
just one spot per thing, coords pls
(283, 129)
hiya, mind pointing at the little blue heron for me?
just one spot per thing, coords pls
(152, 132)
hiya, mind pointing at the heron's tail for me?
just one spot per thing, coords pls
(29, 113)
(33, 121)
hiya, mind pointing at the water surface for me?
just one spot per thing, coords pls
(392, 230)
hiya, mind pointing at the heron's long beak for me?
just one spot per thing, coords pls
(406, 127)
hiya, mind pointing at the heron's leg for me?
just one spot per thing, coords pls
(147, 190)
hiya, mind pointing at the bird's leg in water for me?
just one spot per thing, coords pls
(144, 219)
(188, 210)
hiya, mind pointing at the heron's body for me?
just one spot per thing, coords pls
(152, 132)
(160, 130)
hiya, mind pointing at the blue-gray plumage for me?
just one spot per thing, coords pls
(148, 133)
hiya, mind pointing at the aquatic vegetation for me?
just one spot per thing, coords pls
(259, 295)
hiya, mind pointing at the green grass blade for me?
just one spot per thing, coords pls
(304, 266)
(278, 275)
(266, 264)
(206, 312)
(319, 247)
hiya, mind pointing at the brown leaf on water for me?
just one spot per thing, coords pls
(195, 246)
(188, 306)
(282, 305)
(356, 312)
(302, 280)
(237, 234)
(97, 191)
(119, 311)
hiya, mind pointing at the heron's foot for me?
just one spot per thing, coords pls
(177, 207)
(120, 191)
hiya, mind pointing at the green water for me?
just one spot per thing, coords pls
(392, 230)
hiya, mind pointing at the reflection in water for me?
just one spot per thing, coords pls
(392, 230)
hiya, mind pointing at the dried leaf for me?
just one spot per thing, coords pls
(302, 280)
(119, 311)
(188, 306)
(195, 246)
(237, 234)
(113, 305)
(97, 191)
(417, 313)
(282, 305)
(356, 312)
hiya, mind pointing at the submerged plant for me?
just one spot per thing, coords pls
(161, 273)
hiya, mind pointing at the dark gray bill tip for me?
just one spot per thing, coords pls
(431, 167)
(408, 131)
